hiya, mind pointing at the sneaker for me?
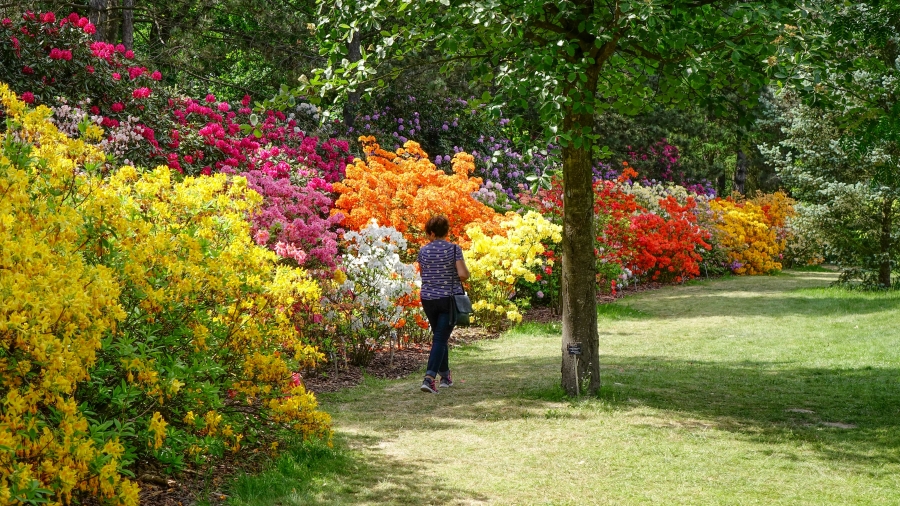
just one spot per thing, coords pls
(446, 381)
(428, 386)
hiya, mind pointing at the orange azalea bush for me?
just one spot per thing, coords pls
(403, 189)
(753, 232)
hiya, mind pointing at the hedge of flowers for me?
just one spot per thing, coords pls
(140, 320)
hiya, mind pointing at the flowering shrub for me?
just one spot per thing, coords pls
(167, 307)
(374, 280)
(662, 243)
(194, 281)
(754, 232)
(57, 309)
(404, 189)
(497, 262)
(295, 218)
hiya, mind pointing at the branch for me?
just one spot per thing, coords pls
(401, 70)
(640, 51)
(213, 80)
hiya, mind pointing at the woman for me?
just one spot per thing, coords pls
(443, 270)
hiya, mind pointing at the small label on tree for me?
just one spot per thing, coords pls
(574, 348)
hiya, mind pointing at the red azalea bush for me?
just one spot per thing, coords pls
(632, 241)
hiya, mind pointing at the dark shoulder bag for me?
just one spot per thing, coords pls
(461, 308)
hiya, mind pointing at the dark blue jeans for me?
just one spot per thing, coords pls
(438, 313)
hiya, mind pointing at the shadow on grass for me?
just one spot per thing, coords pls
(847, 415)
(312, 474)
(851, 415)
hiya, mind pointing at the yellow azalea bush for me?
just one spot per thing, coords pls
(753, 232)
(195, 281)
(56, 310)
(497, 262)
(140, 301)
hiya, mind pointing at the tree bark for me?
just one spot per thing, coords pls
(884, 269)
(97, 16)
(579, 268)
(354, 54)
(740, 172)
(128, 24)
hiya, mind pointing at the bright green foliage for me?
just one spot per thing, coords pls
(547, 55)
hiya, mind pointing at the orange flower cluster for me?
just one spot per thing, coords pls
(403, 189)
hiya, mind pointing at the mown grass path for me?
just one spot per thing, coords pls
(754, 390)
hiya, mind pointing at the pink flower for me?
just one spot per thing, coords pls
(73, 17)
(188, 159)
(6, 22)
(135, 72)
(129, 55)
(116, 76)
(48, 17)
(245, 101)
(156, 76)
(117, 107)
(143, 92)
(95, 110)
(82, 22)
(90, 69)
(28, 97)
(210, 98)
(206, 170)
(27, 70)
(89, 28)
(120, 48)
(224, 107)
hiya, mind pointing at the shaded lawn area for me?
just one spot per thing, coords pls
(751, 390)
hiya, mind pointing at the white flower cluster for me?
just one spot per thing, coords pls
(309, 110)
(376, 276)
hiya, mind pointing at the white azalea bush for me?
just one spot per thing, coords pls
(372, 287)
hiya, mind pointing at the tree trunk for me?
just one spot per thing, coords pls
(579, 279)
(353, 55)
(740, 172)
(884, 269)
(128, 24)
(97, 16)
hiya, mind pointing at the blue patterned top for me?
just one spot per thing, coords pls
(437, 264)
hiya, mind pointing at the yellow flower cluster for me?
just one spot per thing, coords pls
(55, 308)
(753, 231)
(496, 262)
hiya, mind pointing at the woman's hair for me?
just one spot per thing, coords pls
(438, 225)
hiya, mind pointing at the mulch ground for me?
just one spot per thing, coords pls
(191, 485)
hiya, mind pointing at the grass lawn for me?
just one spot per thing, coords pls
(751, 390)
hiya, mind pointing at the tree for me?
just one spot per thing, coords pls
(842, 152)
(571, 60)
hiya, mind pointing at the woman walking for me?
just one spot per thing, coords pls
(443, 270)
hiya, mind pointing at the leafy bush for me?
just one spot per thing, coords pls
(367, 306)
(498, 262)
(58, 309)
(167, 307)
(403, 189)
(754, 231)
